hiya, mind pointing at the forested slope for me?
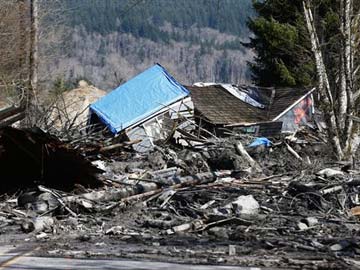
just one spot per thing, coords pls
(108, 41)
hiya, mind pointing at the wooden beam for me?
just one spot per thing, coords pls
(12, 120)
(8, 112)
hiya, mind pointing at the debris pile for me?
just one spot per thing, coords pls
(160, 184)
(71, 108)
(29, 157)
(284, 204)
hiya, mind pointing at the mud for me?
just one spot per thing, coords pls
(304, 220)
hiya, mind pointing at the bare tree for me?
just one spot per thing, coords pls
(14, 49)
(14, 39)
(34, 56)
(341, 112)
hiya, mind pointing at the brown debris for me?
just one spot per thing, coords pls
(214, 201)
(30, 157)
(72, 107)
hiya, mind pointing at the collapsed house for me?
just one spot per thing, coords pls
(257, 110)
(153, 106)
(146, 107)
(205, 204)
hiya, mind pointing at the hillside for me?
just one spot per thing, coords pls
(107, 42)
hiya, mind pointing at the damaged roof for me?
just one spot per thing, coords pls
(218, 106)
(142, 96)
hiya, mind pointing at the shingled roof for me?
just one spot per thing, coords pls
(216, 105)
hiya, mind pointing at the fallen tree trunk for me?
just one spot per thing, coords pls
(116, 194)
(240, 148)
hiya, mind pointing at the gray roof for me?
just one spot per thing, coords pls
(216, 105)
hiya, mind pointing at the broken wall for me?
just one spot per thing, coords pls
(300, 114)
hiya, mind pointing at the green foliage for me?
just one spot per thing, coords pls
(282, 45)
(236, 45)
(61, 85)
(187, 22)
(284, 56)
(286, 78)
(146, 18)
(277, 36)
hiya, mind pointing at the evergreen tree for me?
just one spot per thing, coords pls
(281, 42)
(145, 18)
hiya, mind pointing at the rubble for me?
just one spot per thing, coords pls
(328, 172)
(289, 210)
(243, 206)
(200, 197)
(38, 224)
(41, 159)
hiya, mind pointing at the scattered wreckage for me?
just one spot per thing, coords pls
(158, 183)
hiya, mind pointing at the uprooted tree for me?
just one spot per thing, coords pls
(337, 73)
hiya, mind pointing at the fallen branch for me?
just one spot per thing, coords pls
(57, 197)
(240, 148)
(293, 152)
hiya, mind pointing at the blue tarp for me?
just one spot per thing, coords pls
(261, 141)
(139, 98)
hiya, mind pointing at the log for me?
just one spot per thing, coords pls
(119, 194)
(293, 152)
(240, 148)
(56, 196)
